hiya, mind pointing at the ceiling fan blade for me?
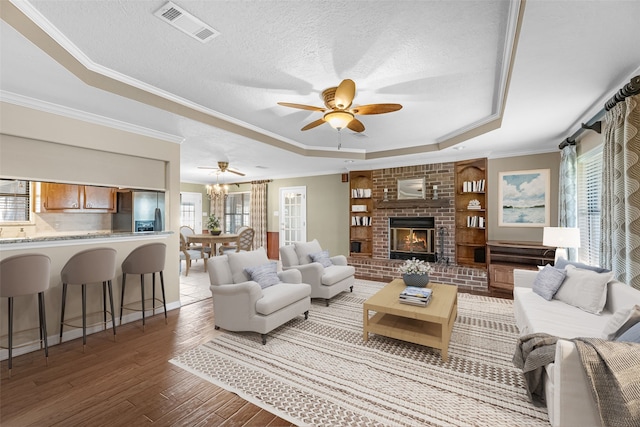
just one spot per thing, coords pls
(356, 125)
(344, 94)
(207, 167)
(376, 108)
(301, 106)
(235, 171)
(313, 124)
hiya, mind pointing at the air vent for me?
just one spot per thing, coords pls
(185, 22)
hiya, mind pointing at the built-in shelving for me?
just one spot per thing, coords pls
(471, 212)
(361, 213)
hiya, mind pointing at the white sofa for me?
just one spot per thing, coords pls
(567, 393)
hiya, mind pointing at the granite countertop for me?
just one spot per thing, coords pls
(84, 236)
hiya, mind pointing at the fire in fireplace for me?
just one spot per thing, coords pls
(412, 238)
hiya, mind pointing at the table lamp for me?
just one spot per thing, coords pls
(561, 238)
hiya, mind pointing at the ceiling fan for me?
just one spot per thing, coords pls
(338, 112)
(222, 167)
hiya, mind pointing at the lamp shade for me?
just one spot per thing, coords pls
(338, 119)
(561, 237)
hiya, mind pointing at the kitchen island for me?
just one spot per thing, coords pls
(60, 248)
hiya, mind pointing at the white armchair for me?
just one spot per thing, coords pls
(242, 304)
(328, 276)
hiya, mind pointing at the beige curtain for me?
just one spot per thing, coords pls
(259, 213)
(216, 207)
(620, 224)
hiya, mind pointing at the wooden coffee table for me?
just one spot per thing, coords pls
(430, 326)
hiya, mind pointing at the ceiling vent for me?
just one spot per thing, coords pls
(185, 22)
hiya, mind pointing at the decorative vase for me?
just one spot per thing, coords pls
(215, 232)
(418, 280)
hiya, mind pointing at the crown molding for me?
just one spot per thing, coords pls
(60, 110)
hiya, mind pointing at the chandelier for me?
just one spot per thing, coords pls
(217, 191)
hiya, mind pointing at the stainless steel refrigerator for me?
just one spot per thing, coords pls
(139, 211)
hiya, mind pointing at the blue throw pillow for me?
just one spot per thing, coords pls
(631, 335)
(562, 263)
(548, 281)
(266, 274)
(322, 257)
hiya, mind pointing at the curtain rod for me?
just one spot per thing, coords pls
(595, 123)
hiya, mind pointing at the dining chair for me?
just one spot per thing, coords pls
(244, 242)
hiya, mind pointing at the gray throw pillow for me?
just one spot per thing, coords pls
(584, 289)
(322, 257)
(548, 281)
(562, 263)
(266, 274)
(621, 321)
(631, 335)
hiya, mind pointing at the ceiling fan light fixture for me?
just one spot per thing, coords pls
(338, 119)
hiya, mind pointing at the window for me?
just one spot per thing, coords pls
(188, 214)
(589, 195)
(237, 207)
(14, 200)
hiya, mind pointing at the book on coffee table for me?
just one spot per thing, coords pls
(414, 301)
(414, 291)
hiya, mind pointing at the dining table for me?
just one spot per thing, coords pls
(212, 240)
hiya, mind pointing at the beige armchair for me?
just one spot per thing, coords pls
(328, 276)
(240, 303)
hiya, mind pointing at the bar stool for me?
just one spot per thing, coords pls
(87, 267)
(145, 259)
(26, 274)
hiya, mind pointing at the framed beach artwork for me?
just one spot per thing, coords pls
(524, 198)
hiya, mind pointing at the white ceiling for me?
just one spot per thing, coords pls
(459, 68)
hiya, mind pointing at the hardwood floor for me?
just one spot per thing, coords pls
(129, 382)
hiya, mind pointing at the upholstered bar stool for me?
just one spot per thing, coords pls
(146, 259)
(20, 275)
(90, 267)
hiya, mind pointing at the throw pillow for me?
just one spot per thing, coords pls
(562, 263)
(303, 249)
(584, 289)
(266, 274)
(548, 281)
(322, 257)
(631, 335)
(620, 322)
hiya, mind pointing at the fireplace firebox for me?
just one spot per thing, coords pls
(413, 237)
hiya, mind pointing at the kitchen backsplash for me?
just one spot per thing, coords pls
(47, 224)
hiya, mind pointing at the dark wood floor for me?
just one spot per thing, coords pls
(129, 382)
(125, 383)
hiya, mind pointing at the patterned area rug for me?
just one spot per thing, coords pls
(320, 372)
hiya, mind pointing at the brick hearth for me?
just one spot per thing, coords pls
(380, 267)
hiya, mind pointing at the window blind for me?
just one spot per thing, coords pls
(589, 205)
(14, 200)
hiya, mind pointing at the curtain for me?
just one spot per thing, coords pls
(568, 202)
(620, 223)
(216, 207)
(259, 213)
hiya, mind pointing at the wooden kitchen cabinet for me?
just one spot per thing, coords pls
(69, 198)
(60, 197)
(99, 198)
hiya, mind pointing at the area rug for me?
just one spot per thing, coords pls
(320, 372)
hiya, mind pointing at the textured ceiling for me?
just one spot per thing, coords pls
(471, 74)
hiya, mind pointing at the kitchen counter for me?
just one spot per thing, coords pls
(10, 243)
(60, 248)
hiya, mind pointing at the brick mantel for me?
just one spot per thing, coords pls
(380, 267)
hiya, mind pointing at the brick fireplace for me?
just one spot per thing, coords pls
(380, 266)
